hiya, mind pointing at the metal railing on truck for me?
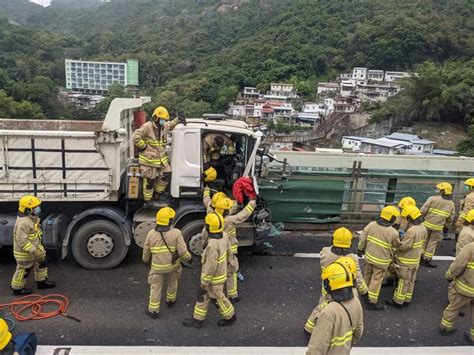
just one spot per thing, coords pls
(323, 189)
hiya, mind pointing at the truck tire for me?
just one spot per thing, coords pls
(191, 233)
(99, 245)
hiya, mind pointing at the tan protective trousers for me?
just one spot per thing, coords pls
(156, 282)
(153, 180)
(231, 283)
(456, 302)
(22, 271)
(216, 295)
(406, 284)
(373, 277)
(430, 244)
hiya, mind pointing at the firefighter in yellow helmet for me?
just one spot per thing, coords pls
(341, 244)
(28, 249)
(460, 292)
(213, 145)
(466, 235)
(402, 223)
(340, 324)
(223, 207)
(7, 345)
(466, 205)
(438, 213)
(164, 247)
(151, 140)
(378, 241)
(213, 275)
(407, 257)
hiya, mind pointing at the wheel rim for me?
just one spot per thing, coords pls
(195, 244)
(100, 245)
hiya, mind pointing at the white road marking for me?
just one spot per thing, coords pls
(318, 256)
(147, 350)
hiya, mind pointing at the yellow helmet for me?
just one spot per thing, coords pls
(469, 182)
(469, 216)
(411, 211)
(165, 216)
(5, 335)
(214, 223)
(349, 264)
(446, 187)
(210, 174)
(161, 113)
(389, 212)
(406, 201)
(342, 238)
(216, 197)
(224, 204)
(336, 276)
(28, 201)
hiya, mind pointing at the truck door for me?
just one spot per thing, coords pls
(186, 161)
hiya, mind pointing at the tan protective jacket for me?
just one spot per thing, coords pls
(379, 243)
(333, 333)
(231, 222)
(467, 204)
(328, 257)
(466, 236)
(211, 152)
(155, 140)
(214, 261)
(27, 236)
(409, 250)
(437, 213)
(156, 250)
(462, 271)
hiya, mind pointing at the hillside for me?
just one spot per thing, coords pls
(195, 55)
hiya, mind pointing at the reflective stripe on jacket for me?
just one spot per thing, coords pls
(379, 243)
(466, 236)
(409, 251)
(27, 237)
(214, 261)
(462, 271)
(437, 213)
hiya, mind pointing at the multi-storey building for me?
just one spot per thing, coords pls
(97, 77)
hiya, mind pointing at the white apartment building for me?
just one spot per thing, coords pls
(327, 88)
(96, 77)
(347, 88)
(375, 75)
(359, 73)
(375, 92)
(391, 76)
(281, 92)
(250, 93)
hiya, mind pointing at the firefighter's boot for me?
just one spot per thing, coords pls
(45, 284)
(393, 304)
(22, 292)
(152, 315)
(374, 307)
(226, 322)
(194, 323)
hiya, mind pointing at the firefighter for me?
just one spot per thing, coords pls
(165, 247)
(28, 250)
(7, 344)
(407, 257)
(460, 275)
(341, 244)
(213, 145)
(213, 275)
(467, 204)
(340, 323)
(151, 140)
(402, 222)
(223, 207)
(466, 235)
(402, 226)
(438, 213)
(378, 241)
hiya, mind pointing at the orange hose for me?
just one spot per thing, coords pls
(31, 307)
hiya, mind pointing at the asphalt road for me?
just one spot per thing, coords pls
(278, 294)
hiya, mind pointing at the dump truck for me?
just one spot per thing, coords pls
(87, 175)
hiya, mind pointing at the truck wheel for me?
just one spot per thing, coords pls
(192, 236)
(99, 245)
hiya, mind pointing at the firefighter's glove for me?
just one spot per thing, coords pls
(39, 254)
(182, 118)
(401, 233)
(360, 253)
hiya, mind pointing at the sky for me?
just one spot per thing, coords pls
(41, 2)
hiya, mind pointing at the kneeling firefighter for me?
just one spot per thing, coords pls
(28, 249)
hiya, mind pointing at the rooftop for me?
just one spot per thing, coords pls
(412, 138)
